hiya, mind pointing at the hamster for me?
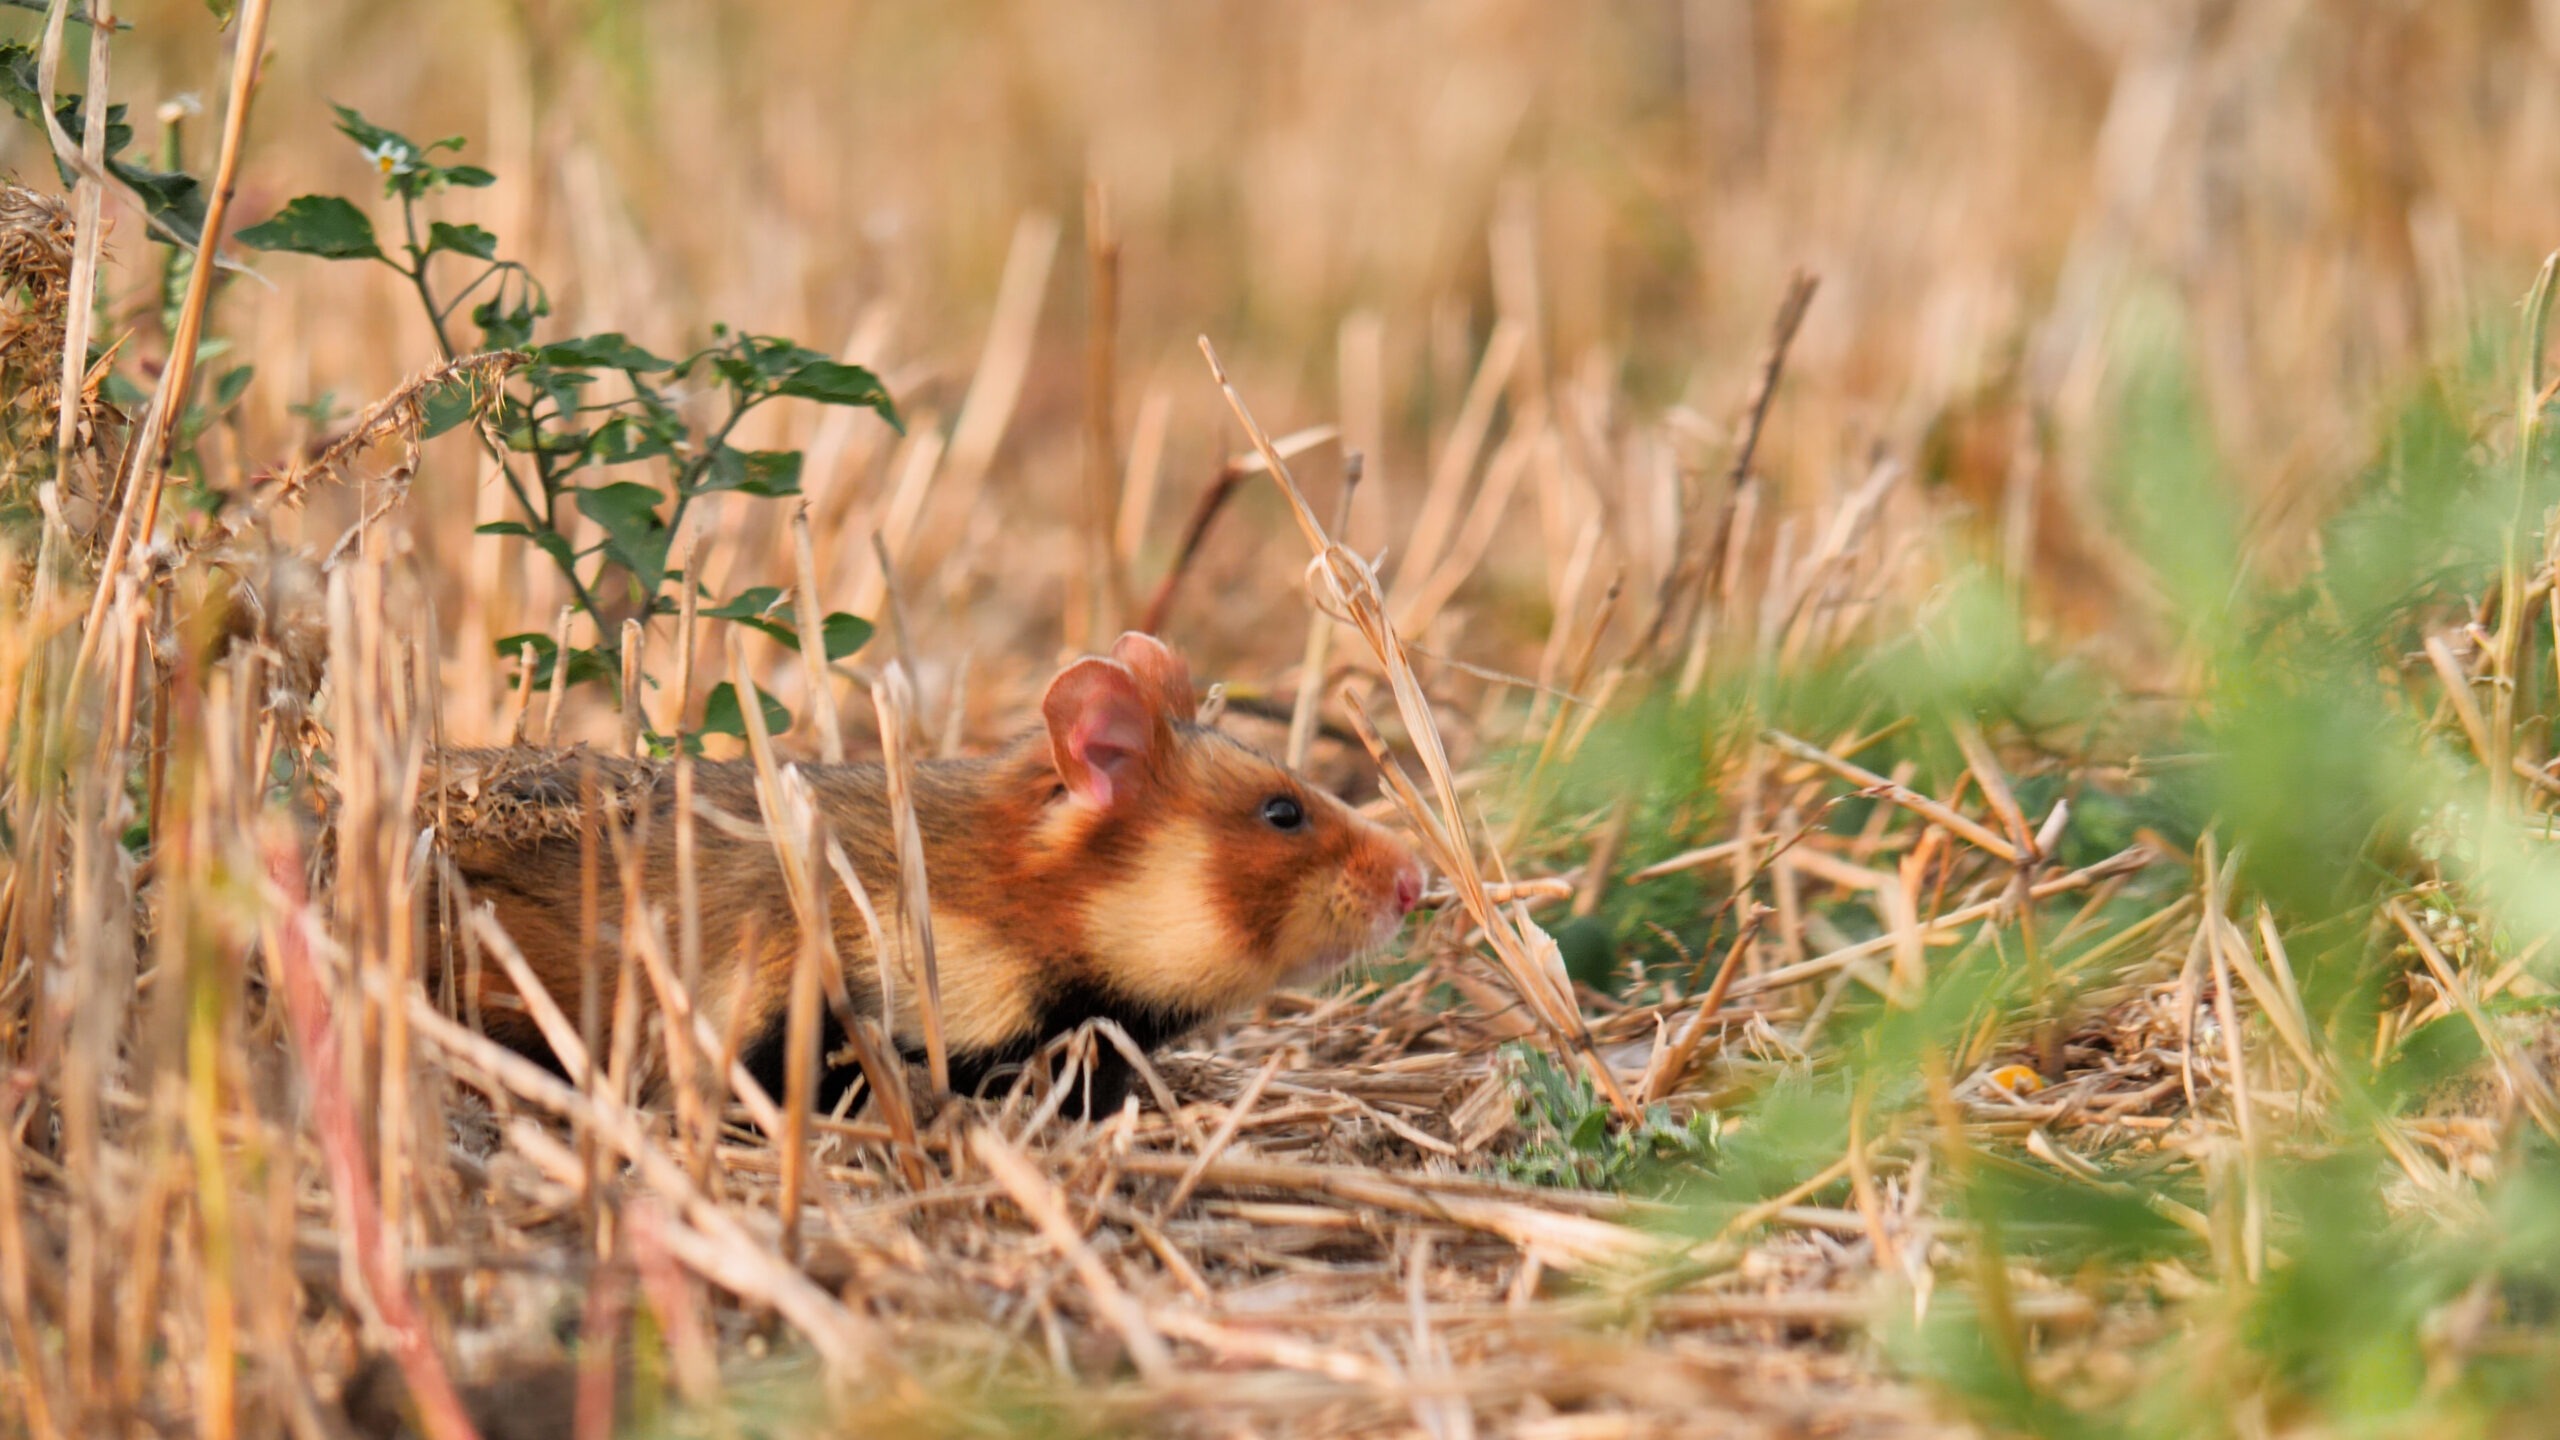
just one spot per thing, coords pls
(1120, 861)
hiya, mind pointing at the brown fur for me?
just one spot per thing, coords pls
(1175, 902)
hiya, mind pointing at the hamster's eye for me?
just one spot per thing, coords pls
(1283, 812)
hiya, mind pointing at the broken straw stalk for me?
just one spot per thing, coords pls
(1349, 590)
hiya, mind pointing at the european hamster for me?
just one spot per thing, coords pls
(1119, 861)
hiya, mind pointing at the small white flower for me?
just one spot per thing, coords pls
(392, 158)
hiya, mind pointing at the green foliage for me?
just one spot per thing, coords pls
(172, 200)
(592, 425)
(321, 225)
(2307, 734)
(630, 461)
(722, 715)
(767, 608)
(1572, 1138)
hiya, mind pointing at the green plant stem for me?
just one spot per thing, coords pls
(691, 475)
(548, 518)
(417, 273)
(495, 268)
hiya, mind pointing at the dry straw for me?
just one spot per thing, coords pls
(1346, 589)
(247, 1153)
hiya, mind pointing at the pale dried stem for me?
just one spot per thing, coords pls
(812, 614)
(1223, 1137)
(559, 691)
(147, 463)
(1309, 704)
(1971, 831)
(1447, 490)
(1039, 1200)
(893, 699)
(1345, 585)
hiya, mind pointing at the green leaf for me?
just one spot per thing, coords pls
(721, 716)
(448, 403)
(1591, 1132)
(78, 14)
(845, 634)
(753, 603)
(402, 162)
(638, 538)
(626, 438)
(754, 472)
(172, 196)
(227, 390)
(508, 325)
(762, 608)
(322, 225)
(779, 632)
(609, 351)
(758, 364)
(563, 388)
(550, 542)
(468, 240)
(620, 507)
(367, 134)
(122, 393)
(21, 87)
(584, 665)
(830, 383)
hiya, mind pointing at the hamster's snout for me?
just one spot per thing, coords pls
(1408, 887)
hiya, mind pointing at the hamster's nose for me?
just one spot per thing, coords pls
(1408, 888)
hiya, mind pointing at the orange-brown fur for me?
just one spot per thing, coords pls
(1170, 904)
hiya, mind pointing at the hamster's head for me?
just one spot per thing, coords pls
(1217, 873)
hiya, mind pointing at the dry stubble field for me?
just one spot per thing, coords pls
(1964, 587)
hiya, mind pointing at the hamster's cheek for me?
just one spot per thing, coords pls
(1320, 933)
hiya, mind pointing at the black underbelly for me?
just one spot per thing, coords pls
(985, 1071)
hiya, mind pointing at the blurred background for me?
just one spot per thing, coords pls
(1349, 197)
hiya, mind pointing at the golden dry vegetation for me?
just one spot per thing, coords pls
(1958, 594)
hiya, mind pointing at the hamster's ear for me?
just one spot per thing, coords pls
(1161, 671)
(1102, 724)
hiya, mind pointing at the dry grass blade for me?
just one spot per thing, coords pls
(1204, 515)
(1040, 1201)
(1558, 1240)
(2122, 863)
(360, 1218)
(2523, 1076)
(148, 460)
(1311, 663)
(717, 1246)
(1670, 1063)
(894, 700)
(1223, 1137)
(1689, 570)
(1972, 832)
(1349, 591)
(1441, 505)
(813, 643)
(797, 832)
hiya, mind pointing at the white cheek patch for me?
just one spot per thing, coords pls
(1329, 927)
(1158, 934)
(985, 1002)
